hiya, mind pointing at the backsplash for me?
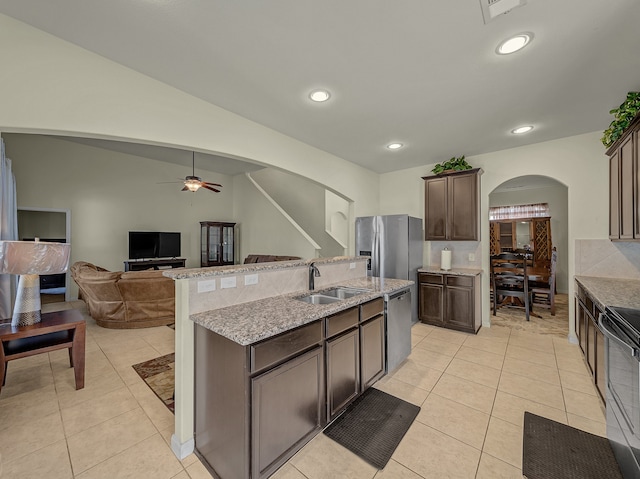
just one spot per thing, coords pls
(607, 259)
(460, 251)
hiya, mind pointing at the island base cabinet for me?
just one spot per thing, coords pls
(343, 371)
(276, 430)
(372, 351)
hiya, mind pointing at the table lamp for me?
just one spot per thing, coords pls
(30, 259)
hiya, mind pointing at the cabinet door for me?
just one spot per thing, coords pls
(372, 351)
(343, 371)
(463, 207)
(287, 410)
(627, 180)
(459, 311)
(614, 196)
(431, 303)
(435, 209)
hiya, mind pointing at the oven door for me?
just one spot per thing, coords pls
(623, 396)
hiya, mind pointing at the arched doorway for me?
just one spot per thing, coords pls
(530, 190)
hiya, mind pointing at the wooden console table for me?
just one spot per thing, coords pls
(154, 264)
(60, 330)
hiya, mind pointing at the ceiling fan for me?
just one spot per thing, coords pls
(193, 183)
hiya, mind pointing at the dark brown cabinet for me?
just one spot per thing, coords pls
(293, 386)
(590, 338)
(624, 190)
(256, 405)
(372, 343)
(431, 298)
(216, 243)
(451, 206)
(450, 301)
(343, 371)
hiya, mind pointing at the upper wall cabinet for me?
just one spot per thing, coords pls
(624, 202)
(452, 206)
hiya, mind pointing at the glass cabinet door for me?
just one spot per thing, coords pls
(216, 243)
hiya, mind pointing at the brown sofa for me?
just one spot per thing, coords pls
(135, 299)
(266, 258)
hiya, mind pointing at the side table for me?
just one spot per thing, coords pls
(59, 330)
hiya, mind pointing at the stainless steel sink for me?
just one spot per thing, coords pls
(318, 299)
(344, 293)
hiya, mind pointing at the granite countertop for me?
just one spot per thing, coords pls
(186, 273)
(612, 291)
(453, 271)
(248, 323)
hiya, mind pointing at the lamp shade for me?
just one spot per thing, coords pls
(28, 257)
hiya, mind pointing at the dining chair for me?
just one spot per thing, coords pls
(509, 280)
(544, 294)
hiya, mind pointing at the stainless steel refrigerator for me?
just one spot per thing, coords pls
(394, 243)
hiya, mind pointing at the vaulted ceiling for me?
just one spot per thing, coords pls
(422, 73)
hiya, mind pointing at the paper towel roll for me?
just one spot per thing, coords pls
(445, 259)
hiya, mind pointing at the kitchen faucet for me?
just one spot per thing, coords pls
(313, 272)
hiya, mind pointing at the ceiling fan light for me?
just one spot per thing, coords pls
(192, 185)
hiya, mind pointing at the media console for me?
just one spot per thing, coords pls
(141, 265)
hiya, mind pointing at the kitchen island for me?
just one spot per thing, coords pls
(248, 329)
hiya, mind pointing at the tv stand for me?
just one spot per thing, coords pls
(141, 265)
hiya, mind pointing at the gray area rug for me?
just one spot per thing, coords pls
(373, 426)
(552, 450)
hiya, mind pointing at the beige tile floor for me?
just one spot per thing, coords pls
(472, 391)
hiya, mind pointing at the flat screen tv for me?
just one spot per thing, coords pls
(153, 244)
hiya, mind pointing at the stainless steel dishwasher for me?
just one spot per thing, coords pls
(397, 309)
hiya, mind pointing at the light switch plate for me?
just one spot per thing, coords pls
(206, 285)
(229, 282)
(352, 266)
(472, 257)
(250, 279)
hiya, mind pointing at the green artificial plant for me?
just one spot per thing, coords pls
(456, 164)
(623, 116)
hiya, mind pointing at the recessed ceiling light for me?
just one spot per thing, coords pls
(522, 129)
(394, 146)
(515, 43)
(319, 95)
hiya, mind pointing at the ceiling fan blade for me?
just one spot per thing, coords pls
(210, 188)
(185, 189)
(212, 184)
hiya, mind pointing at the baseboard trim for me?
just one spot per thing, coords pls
(182, 449)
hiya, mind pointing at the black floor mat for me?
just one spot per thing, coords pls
(551, 450)
(373, 426)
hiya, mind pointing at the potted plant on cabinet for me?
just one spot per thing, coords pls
(623, 117)
(454, 164)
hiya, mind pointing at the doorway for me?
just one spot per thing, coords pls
(47, 224)
(532, 190)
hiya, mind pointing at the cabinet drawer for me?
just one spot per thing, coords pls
(275, 350)
(371, 309)
(431, 278)
(464, 281)
(342, 321)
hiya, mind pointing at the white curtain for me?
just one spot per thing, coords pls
(8, 228)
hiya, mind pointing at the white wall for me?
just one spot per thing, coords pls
(51, 86)
(110, 194)
(262, 229)
(579, 162)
